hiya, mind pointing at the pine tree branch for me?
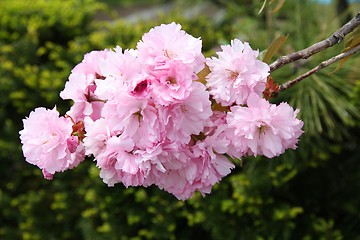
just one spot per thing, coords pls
(318, 68)
(335, 38)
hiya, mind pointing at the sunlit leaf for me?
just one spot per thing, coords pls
(351, 41)
(278, 6)
(202, 74)
(262, 7)
(275, 45)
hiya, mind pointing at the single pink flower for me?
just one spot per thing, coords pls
(263, 128)
(236, 74)
(174, 182)
(80, 110)
(134, 117)
(48, 143)
(119, 63)
(209, 157)
(124, 72)
(77, 88)
(91, 63)
(118, 163)
(188, 117)
(189, 168)
(179, 171)
(173, 85)
(81, 86)
(166, 43)
(97, 134)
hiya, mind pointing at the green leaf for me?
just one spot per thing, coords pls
(274, 47)
(262, 7)
(278, 6)
(352, 40)
(324, 105)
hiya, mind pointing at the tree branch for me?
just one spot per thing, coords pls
(318, 68)
(335, 38)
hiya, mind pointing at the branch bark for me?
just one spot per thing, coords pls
(318, 68)
(335, 38)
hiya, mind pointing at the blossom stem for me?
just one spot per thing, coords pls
(335, 38)
(318, 68)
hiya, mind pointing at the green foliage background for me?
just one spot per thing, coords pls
(310, 193)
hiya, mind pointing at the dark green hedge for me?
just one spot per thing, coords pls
(311, 193)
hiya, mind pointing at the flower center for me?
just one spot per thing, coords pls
(140, 87)
(233, 75)
(171, 80)
(183, 108)
(139, 116)
(100, 77)
(262, 129)
(169, 54)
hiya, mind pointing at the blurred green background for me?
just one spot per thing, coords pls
(310, 193)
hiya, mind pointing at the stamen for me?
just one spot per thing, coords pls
(171, 80)
(233, 75)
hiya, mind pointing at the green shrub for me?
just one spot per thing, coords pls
(305, 194)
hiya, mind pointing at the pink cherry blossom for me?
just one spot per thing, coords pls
(124, 72)
(81, 86)
(188, 117)
(47, 142)
(144, 117)
(97, 134)
(236, 74)
(115, 154)
(77, 88)
(175, 182)
(133, 117)
(91, 63)
(167, 42)
(80, 110)
(76, 157)
(263, 128)
(211, 163)
(194, 168)
(118, 163)
(179, 171)
(80, 89)
(121, 63)
(217, 120)
(112, 153)
(174, 84)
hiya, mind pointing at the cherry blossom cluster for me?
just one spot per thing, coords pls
(146, 119)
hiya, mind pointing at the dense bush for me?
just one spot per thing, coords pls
(311, 193)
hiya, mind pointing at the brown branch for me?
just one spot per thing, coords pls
(318, 68)
(335, 38)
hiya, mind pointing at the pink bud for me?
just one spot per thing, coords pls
(47, 175)
(72, 143)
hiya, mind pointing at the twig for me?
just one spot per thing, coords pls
(335, 38)
(318, 68)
